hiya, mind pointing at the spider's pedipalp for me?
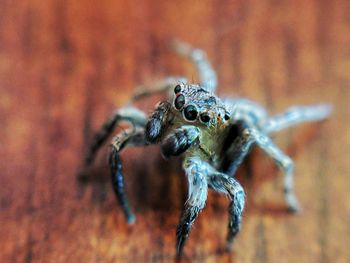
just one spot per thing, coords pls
(179, 141)
(131, 137)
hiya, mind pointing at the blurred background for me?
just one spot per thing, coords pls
(65, 65)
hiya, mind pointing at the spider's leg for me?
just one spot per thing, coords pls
(296, 115)
(240, 148)
(243, 109)
(282, 160)
(157, 87)
(223, 183)
(236, 147)
(130, 137)
(129, 114)
(206, 72)
(196, 171)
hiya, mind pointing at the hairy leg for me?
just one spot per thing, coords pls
(240, 148)
(236, 147)
(131, 137)
(158, 122)
(196, 171)
(296, 115)
(282, 160)
(223, 183)
(129, 114)
(164, 85)
(206, 73)
(247, 110)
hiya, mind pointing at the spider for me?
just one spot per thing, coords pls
(213, 135)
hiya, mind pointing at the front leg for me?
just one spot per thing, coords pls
(179, 141)
(197, 172)
(223, 183)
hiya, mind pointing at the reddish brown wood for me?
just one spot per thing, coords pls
(65, 65)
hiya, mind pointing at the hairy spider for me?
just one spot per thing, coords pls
(214, 136)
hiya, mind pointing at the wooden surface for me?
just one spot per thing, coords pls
(65, 65)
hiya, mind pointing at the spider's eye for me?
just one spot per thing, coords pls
(177, 89)
(204, 117)
(226, 117)
(190, 112)
(179, 101)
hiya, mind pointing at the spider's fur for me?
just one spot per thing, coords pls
(213, 135)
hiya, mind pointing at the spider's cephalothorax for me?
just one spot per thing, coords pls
(213, 135)
(200, 117)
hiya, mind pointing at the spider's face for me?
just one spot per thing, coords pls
(199, 105)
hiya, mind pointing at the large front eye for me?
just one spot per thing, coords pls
(179, 102)
(190, 112)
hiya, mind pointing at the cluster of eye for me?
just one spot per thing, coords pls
(190, 111)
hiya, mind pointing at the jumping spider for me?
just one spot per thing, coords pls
(213, 135)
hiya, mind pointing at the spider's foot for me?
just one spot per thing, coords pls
(180, 242)
(229, 246)
(293, 205)
(291, 200)
(179, 247)
(295, 208)
(130, 219)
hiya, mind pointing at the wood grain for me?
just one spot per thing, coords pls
(65, 65)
